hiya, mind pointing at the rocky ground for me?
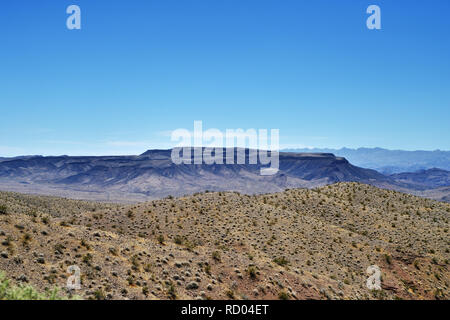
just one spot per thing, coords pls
(296, 244)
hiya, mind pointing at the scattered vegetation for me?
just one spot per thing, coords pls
(296, 244)
(11, 292)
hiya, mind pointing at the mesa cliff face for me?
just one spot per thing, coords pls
(153, 175)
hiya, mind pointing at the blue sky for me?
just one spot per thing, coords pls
(139, 69)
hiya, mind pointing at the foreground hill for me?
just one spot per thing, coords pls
(296, 244)
(153, 175)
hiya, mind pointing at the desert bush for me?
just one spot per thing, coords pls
(99, 294)
(171, 291)
(3, 209)
(10, 292)
(178, 240)
(230, 294)
(388, 259)
(282, 261)
(283, 295)
(216, 255)
(252, 272)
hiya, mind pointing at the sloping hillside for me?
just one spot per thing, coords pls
(297, 244)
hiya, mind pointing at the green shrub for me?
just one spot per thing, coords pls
(10, 292)
(216, 255)
(178, 240)
(252, 272)
(388, 259)
(281, 261)
(3, 209)
(283, 295)
(99, 294)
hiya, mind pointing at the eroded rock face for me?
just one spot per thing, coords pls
(153, 175)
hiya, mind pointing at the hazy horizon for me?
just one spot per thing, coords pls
(288, 149)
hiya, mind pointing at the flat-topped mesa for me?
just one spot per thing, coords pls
(306, 155)
(156, 152)
(154, 174)
(166, 153)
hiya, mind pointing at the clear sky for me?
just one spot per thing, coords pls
(139, 69)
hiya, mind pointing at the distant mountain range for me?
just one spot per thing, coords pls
(389, 161)
(153, 175)
(430, 178)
